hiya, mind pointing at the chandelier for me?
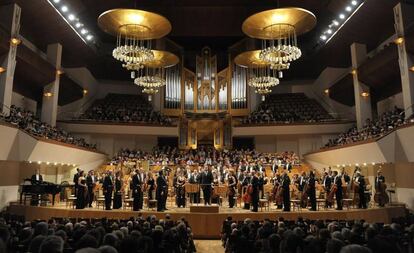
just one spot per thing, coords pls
(134, 30)
(260, 75)
(152, 76)
(150, 93)
(263, 92)
(278, 29)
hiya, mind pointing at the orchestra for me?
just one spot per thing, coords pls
(246, 183)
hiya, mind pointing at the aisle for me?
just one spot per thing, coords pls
(208, 246)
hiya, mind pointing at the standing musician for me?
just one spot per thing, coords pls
(360, 181)
(327, 184)
(380, 189)
(206, 181)
(91, 182)
(274, 166)
(81, 196)
(117, 203)
(76, 180)
(194, 179)
(108, 187)
(161, 192)
(286, 191)
(312, 190)
(302, 181)
(245, 185)
(180, 190)
(232, 182)
(136, 188)
(337, 181)
(255, 192)
(151, 185)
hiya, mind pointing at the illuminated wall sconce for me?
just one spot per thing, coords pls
(412, 68)
(48, 94)
(15, 41)
(364, 94)
(59, 72)
(326, 91)
(2, 70)
(399, 40)
(85, 91)
(354, 72)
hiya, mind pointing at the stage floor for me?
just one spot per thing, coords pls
(208, 225)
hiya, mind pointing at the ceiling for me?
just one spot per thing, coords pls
(213, 23)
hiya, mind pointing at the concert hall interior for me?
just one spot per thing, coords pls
(206, 126)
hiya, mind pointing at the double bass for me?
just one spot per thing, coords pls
(247, 197)
(381, 196)
(355, 188)
(330, 197)
(304, 198)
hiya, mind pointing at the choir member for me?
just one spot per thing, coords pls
(161, 192)
(118, 191)
(108, 187)
(90, 183)
(286, 192)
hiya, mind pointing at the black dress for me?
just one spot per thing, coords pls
(180, 192)
(151, 188)
(81, 194)
(117, 194)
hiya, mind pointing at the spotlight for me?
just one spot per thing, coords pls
(78, 25)
(329, 31)
(64, 8)
(354, 2)
(84, 31)
(85, 91)
(15, 41)
(326, 91)
(59, 72)
(336, 23)
(323, 37)
(411, 69)
(71, 17)
(2, 70)
(354, 72)
(56, 1)
(348, 9)
(341, 16)
(89, 37)
(364, 94)
(399, 40)
(39, 162)
(48, 94)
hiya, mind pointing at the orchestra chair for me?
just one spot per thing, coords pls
(100, 200)
(70, 198)
(128, 200)
(265, 202)
(296, 204)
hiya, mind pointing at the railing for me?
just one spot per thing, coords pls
(69, 115)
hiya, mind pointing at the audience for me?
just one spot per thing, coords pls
(124, 108)
(386, 123)
(61, 235)
(317, 236)
(27, 121)
(287, 108)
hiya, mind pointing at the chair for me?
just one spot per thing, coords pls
(70, 201)
(128, 200)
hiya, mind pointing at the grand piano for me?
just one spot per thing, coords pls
(29, 188)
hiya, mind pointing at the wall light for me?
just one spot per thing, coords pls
(326, 91)
(354, 72)
(85, 91)
(48, 94)
(399, 40)
(2, 70)
(364, 94)
(412, 68)
(15, 41)
(59, 72)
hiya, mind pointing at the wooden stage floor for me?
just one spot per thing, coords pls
(208, 225)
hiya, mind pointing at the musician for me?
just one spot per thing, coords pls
(37, 177)
(302, 181)
(206, 181)
(360, 181)
(76, 180)
(288, 166)
(337, 180)
(81, 195)
(137, 190)
(90, 183)
(194, 178)
(262, 182)
(180, 190)
(161, 191)
(312, 190)
(151, 186)
(275, 166)
(232, 182)
(327, 184)
(255, 192)
(118, 191)
(246, 182)
(286, 192)
(379, 181)
(347, 178)
(108, 187)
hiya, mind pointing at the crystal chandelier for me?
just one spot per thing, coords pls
(150, 78)
(150, 93)
(278, 29)
(263, 92)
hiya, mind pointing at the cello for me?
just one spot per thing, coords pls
(355, 188)
(330, 197)
(304, 198)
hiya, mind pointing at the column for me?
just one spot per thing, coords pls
(403, 16)
(363, 110)
(10, 17)
(50, 103)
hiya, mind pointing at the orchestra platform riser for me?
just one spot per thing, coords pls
(208, 225)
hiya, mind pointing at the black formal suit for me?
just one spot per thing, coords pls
(137, 192)
(118, 194)
(206, 181)
(275, 167)
(161, 193)
(76, 182)
(301, 183)
(378, 181)
(288, 167)
(35, 179)
(108, 187)
(90, 183)
(312, 193)
(361, 192)
(255, 193)
(286, 193)
(338, 194)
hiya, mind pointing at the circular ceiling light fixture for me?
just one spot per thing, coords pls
(278, 29)
(134, 30)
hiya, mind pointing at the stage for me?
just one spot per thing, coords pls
(208, 225)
